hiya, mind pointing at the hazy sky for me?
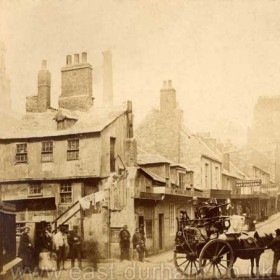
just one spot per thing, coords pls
(220, 55)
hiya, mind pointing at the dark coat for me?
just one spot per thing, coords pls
(25, 250)
(124, 236)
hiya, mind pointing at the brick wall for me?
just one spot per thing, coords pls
(76, 85)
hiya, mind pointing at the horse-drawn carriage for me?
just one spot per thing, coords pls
(210, 244)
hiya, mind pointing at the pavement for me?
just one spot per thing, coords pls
(158, 266)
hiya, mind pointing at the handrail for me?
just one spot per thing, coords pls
(69, 208)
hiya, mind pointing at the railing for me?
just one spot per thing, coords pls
(67, 218)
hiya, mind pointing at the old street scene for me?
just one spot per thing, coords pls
(139, 140)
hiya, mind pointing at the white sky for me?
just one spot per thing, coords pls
(220, 55)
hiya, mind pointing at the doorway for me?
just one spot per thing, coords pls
(160, 230)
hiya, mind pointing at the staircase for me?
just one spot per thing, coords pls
(65, 216)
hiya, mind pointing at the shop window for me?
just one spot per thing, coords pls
(21, 153)
(73, 149)
(66, 193)
(47, 151)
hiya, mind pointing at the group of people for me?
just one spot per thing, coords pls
(50, 247)
(138, 242)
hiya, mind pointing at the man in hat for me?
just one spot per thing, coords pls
(275, 246)
(25, 250)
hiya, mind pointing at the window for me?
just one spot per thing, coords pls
(21, 153)
(35, 190)
(149, 229)
(73, 149)
(66, 193)
(112, 154)
(181, 180)
(216, 177)
(172, 219)
(206, 174)
(47, 151)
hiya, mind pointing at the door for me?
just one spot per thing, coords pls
(160, 230)
(141, 221)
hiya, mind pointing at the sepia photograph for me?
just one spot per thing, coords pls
(139, 139)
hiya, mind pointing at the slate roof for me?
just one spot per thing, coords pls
(154, 176)
(144, 158)
(34, 125)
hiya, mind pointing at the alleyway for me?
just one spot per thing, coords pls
(159, 266)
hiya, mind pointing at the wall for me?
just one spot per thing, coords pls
(88, 164)
(118, 129)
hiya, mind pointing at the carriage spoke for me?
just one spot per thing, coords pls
(221, 250)
(223, 266)
(219, 270)
(195, 265)
(187, 266)
(224, 254)
(209, 268)
(183, 262)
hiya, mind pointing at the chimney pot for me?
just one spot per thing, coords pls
(44, 64)
(169, 84)
(84, 57)
(164, 84)
(76, 58)
(68, 59)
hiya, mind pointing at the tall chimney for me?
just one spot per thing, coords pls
(107, 79)
(226, 161)
(167, 97)
(44, 88)
(76, 84)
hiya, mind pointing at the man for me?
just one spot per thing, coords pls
(25, 250)
(139, 244)
(142, 231)
(60, 245)
(275, 246)
(75, 243)
(124, 243)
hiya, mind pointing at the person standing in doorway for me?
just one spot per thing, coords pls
(25, 250)
(124, 243)
(75, 243)
(139, 244)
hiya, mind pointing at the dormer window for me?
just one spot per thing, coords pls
(181, 179)
(65, 120)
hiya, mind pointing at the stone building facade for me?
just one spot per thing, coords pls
(52, 159)
(163, 131)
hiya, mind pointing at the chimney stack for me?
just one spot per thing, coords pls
(167, 97)
(68, 59)
(226, 162)
(44, 88)
(107, 79)
(84, 57)
(76, 84)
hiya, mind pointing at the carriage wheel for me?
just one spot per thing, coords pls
(187, 263)
(216, 259)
